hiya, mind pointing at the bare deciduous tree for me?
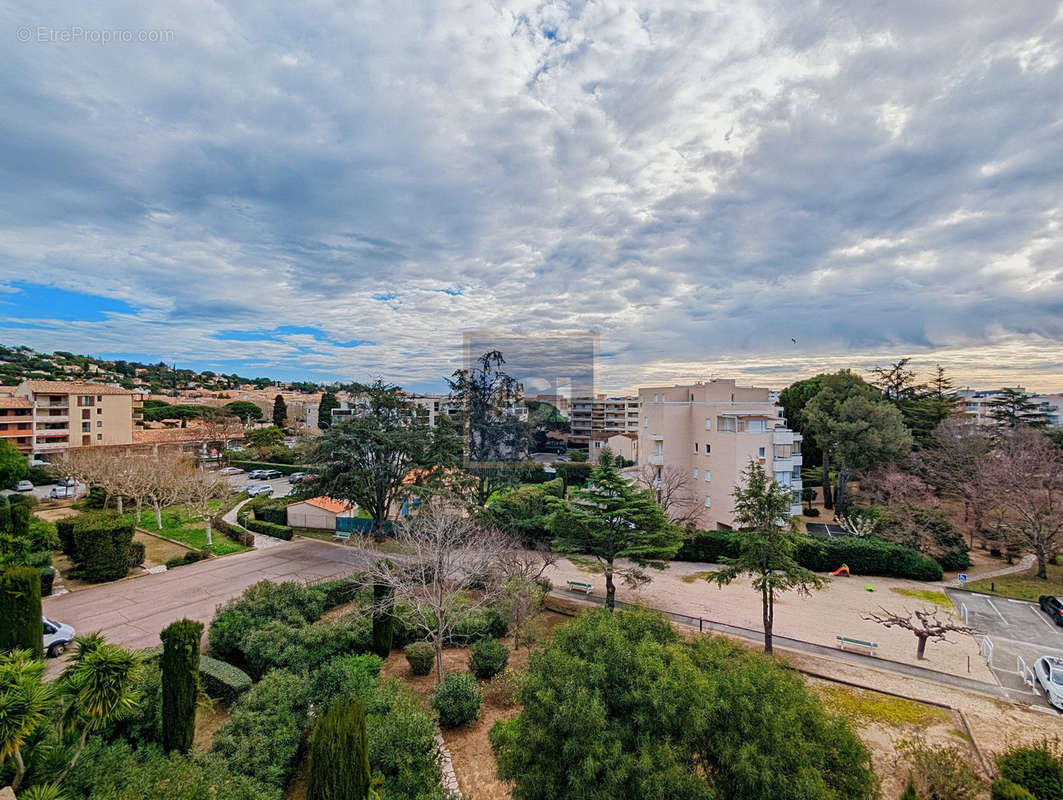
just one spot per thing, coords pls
(113, 473)
(523, 572)
(954, 466)
(1024, 478)
(199, 491)
(673, 488)
(925, 624)
(221, 426)
(164, 479)
(451, 566)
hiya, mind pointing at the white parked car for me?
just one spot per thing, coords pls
(56, 637)
(261, 488)
(230, 471)
(1049, 672)
(23, 486)
(63, 492)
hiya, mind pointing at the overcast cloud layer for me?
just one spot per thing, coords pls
(341, 190)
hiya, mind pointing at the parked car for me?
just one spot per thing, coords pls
(1049, 672)
(1053, 606)
(63, 492)
(256, 474)
(271, 474)
(230, 471)
(247, 487)
(56, 637)
(297, 477)
(23, 486)
(262, 488)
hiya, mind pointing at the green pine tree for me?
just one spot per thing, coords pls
(20, 611)
(611, 520)
(339, 753)
(324, 410)
(180, 683)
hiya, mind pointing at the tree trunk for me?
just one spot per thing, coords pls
(20, 770)
(1042, 570)
(158, 517)
(206, 525)
(121, 508)
(610, 589)
(439, 657)
(828, 498)
(768, 607)
(139, 507)
(840, 498)
(921, 648)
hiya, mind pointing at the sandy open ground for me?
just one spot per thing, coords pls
(837, 610)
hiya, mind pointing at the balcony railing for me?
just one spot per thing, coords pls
(657, 459)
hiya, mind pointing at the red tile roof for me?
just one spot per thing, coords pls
(74, 387)
(325, 503)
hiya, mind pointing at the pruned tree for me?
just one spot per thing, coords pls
(95, 467)
(926, 624)
(450, 568)
(1024, 478)
(165, 478)
(525, 586)
(220, 426)
(953, 465)
(199, 491)
(767, 541)
(612, 520)
(673, 487)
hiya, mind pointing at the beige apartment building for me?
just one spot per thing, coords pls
(595, 419)
(46, 417)
(709, 432)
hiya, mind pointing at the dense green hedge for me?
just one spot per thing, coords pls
(180, 683)
(1037, 768)
(284, 469)
(868, 556)
(20, 610)
(269, 529)
(219, 680)
(102, 544)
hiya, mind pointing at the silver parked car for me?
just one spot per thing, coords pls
(57, 636)
(262, 488)
(1049, 672)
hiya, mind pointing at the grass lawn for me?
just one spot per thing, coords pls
(177, 524)
(930, 595)
(1022, 585)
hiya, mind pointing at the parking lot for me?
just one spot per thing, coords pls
(280, 485)
(1016, 629)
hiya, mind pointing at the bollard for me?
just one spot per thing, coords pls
(992, 586)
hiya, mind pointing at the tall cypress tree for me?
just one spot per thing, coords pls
(20, 611)
(180, 683)
(280, 411)
(329, 401)
(339, 753)
(383, 623)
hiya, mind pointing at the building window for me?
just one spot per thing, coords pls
(85, 414)
(760, 452)
(99, 398)
(708, 476)
(645, 422)
(84, 400)
(695, 472)
(708, 501)
(708, 448)
(86, 427)
(656, 398)
(695, 447)
(726, 424)
(99, 410)
(99, 423)
(99, 437)
(708, 424)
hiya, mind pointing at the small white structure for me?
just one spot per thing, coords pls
(319, 512)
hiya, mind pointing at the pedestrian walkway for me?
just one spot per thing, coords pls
(262, 542)
(1024, 564)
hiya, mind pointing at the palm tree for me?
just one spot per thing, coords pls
(100, 686)
(24, 702)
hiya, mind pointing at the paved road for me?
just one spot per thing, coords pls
(1016, 628)
(133, 612)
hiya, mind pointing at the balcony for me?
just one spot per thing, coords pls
(657, 459)
(795, 509)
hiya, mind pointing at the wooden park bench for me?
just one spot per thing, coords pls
(576, 586)
(845, 640)
(343, 536)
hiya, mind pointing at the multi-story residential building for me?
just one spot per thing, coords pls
(16, 422)
(558, 401)
(977, 404)
(595, 419)
(710, 431)
(65, 414)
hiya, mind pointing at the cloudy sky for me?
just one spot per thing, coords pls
(341, 190)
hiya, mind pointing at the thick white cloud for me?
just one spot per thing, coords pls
(698, 181)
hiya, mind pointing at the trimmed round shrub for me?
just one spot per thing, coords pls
(136, 554)
(457, 699)
(102, 546)
(811, 512)
(222, 681)
(1036, 768)
(487, 658)
(421, 657)
(1003, 789)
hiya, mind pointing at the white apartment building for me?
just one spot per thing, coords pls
(711, 431)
